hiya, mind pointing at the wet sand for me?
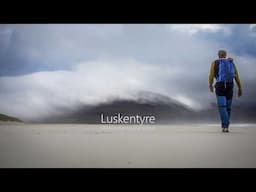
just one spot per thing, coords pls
(126, 146)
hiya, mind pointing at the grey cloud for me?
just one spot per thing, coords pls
(66, 65)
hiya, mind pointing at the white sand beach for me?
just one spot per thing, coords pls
(126, 146)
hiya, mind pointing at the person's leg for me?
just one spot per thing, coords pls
(229, 104)
(229, 96)
(222, 106)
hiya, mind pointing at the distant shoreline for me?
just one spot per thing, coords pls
(199, 124)
(11, 122)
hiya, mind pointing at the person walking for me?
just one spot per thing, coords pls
(224, 71)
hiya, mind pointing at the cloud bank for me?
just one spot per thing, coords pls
(45, 67)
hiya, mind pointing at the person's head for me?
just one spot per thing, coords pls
(222, 53)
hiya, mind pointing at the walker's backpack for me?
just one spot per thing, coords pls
(224, 70)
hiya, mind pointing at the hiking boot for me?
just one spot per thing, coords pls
(225, 130)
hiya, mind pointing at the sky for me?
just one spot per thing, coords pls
(44, 67)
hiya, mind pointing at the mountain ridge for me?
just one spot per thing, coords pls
(164, 108)
(4, 117)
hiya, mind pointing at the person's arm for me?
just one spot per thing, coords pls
(238, 82)
(211, 76)
(237, 78)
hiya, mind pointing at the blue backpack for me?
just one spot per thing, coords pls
(224, 70)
